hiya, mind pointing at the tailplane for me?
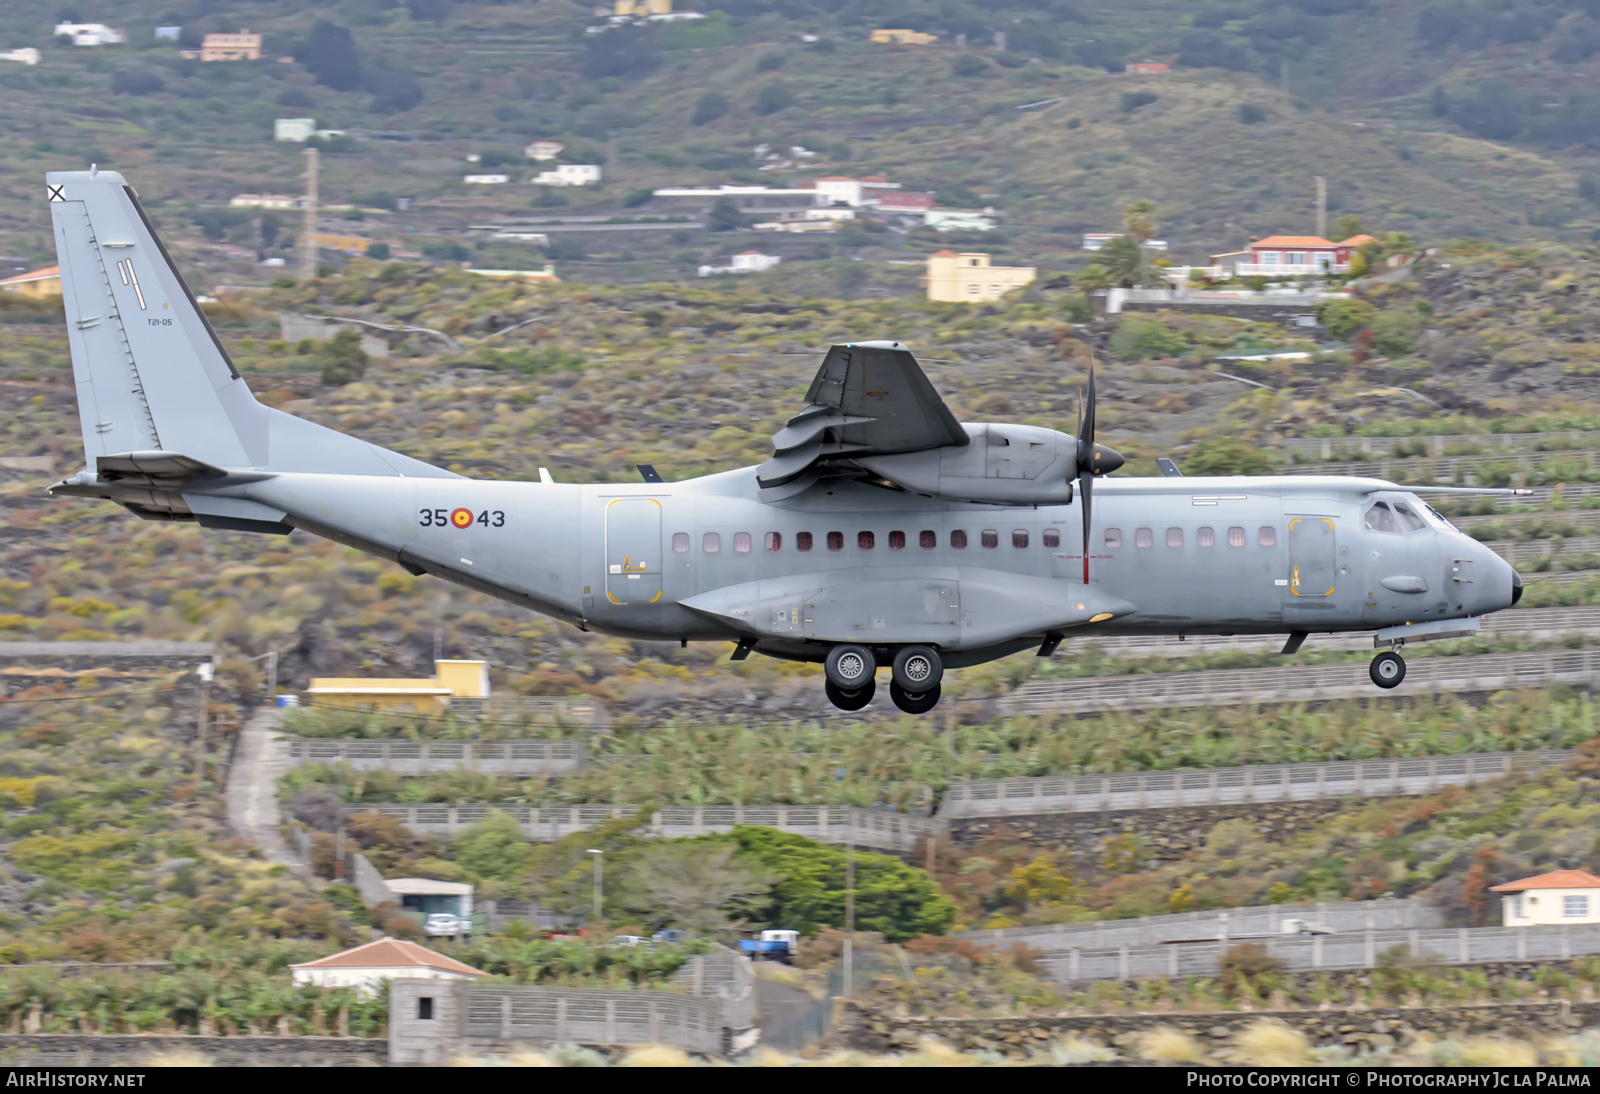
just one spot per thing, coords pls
(152, 376)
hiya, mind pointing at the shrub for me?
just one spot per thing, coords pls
(1245, 964)
(1394, 332)
(1133, 100)
(1143, 338)
(711, 106)
(342, 359)
(970, 64)
(1227, 456)
(1344, 318)
(1251, 114)
(136, 83)
(774, 97)
(771, 62)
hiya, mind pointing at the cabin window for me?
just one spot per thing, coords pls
(1019, 537)
(1268, 536)
(802, 541)
(1408, 519)
(1380, 519)
(1235, 537)
(1113, 537)
(774, 541)
(835, 541)
(1143, 537)
(1205, 537)
(897, 541)
(711, 543)
(680, 543)
(1174, 537)
(1052, 537)
(741, 543)
(928, 539)
(866, 541)
(990, 537)
(958, 539)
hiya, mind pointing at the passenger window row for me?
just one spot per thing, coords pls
(711, 542)
(1266, 536)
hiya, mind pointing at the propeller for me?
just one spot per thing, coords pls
(1093, 459)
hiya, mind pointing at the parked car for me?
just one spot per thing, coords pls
(629, 940)
(671, 936)
(1300, 926)
(779, 945)
(444, 924)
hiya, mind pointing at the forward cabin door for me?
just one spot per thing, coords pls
(1322, 591)
(633, 551)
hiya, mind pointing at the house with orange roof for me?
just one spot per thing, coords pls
(37, 284)
(365, 967)
(1561, 896)
(1291, 256)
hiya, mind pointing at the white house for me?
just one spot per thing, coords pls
(1562, 896)
(543, 150)
(958, 220)
(90, 34)
(486, 180)
(1094, 241)
(744, 262)
(569, 174)
(852, 192)
(366, 967)
(293, 129)
(265, 201)
(27, 55)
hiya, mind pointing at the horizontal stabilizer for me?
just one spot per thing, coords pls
(156, 467)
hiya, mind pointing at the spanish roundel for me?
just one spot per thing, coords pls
(461, 518)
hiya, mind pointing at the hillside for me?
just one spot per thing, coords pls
(686, 104)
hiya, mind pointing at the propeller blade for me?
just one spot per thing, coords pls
(1085, 492)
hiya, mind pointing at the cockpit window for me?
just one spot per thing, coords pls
(1380, 519)
(1408, 519)
(1438, 518)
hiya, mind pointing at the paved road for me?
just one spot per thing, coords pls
(259, 760)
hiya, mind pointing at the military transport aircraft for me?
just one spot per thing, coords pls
(882, 532)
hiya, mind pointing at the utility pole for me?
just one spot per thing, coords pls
(849, 906)
(1322, 208)
(338, 851)
(599, 883)
(308, 232)
(205, 671)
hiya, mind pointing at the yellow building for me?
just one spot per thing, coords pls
(458, 683)
(642, 8)
(37, 284)
(969, 277)
(899, 37)
(348, 244)
(243, 46)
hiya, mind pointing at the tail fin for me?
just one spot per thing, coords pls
(152, 375)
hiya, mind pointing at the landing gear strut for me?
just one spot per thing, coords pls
(1387, 669)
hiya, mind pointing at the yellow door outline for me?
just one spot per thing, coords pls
(1294, 571)
(628, 565)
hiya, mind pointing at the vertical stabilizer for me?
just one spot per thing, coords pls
(151, 373)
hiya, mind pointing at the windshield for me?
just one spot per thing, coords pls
(1436, 517)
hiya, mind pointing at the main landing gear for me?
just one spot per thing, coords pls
(1387, 669)
(914, 686)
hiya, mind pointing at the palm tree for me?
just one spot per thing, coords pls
(1128, 264)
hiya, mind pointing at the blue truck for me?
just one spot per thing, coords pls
(776, 945)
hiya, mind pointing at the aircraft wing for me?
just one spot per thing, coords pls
(868, 399)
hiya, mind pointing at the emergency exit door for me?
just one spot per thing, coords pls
(633, 551)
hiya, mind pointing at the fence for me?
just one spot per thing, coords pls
(1459, 946)
(1360, 915)
(1330, 448)
(1514, 551)
(1531, 623)
(510, 757)
(1587, 520)
(1229, 785)
(1301, 683)
(1439, 468)
(438, 1021)
(867, 828)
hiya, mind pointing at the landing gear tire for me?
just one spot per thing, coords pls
(914, 702)
(918, 669)
(850, 700)
(1387, 670)
(850, 667)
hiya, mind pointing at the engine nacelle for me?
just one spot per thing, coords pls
(1003, 464)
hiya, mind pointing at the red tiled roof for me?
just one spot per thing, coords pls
(34, 275)
(1556, 879)
(1356, 241)
(390, 953)
(942, 254)
(1293, 241)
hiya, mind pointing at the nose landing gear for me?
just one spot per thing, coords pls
(1387, 669)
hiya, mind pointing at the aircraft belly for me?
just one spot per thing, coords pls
(952, 607)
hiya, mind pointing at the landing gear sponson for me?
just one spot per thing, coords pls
(914, 685)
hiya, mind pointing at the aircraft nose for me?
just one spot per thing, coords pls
(1506, 587)
(1516, 586)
